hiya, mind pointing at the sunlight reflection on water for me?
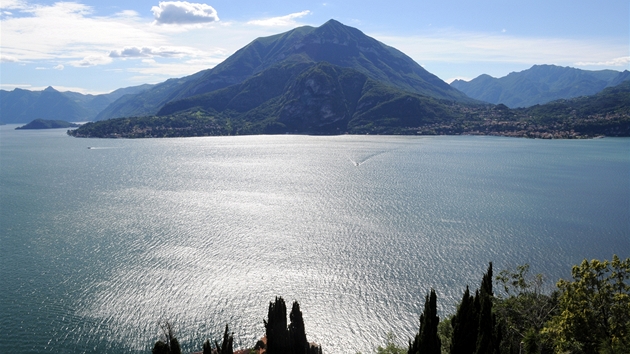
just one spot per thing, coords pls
(206, 231)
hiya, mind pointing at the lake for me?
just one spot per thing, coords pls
(103, 239)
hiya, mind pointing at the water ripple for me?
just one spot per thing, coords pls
(204, 232)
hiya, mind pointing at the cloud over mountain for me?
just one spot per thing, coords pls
(280, 21)
(146, 52)
(622, 61)
(183, 13)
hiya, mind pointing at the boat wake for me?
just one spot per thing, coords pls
(102, 147)
(361, 161)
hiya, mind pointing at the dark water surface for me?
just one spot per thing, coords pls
(98, 245)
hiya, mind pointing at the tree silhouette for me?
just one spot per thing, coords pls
(276, 328)
(169, 345)
(297, 334)
(427, 340)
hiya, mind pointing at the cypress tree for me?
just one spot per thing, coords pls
(175, 348)
(486, 337)
(160, 347)
(207, 347)
(226, 346)
(465, 325)
(297, 333)
(276, 328)
(486, 282)
(427, 340)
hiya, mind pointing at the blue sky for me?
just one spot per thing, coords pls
(98, 46)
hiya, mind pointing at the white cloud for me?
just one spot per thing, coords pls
(152, 69)
(91, 60)
(622, 61)
(183, 13)
(282, 21)
(8, 59)
(145, 52)
(10, 87)
(59, 67)
(69, 31)
(127, 13)
(131, 52)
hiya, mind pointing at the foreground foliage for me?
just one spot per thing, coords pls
(594, 309)
(589, 314)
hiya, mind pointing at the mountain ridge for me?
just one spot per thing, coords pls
(539, 84)
(22, 106)
(332, 42)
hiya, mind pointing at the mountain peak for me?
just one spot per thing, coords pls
(333, 22)
(332, 42)
(50, 89)
(336, 25)
(335, 32)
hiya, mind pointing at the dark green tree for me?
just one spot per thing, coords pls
(427, 340)
(160, 347)
(297, 333)
(489, 334)
(227, 344)
(276, 328)
(465, 325)
(522, 310)
(207, 347)
(475, 329)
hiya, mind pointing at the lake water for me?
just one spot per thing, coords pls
(99, 245)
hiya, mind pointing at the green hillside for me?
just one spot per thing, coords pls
(332, 42)
(327, 99)
(48, 124)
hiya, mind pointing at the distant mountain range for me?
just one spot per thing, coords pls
(539, 84)
(333, 79)
(22, 106)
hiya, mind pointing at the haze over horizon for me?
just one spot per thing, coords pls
(98, 46)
